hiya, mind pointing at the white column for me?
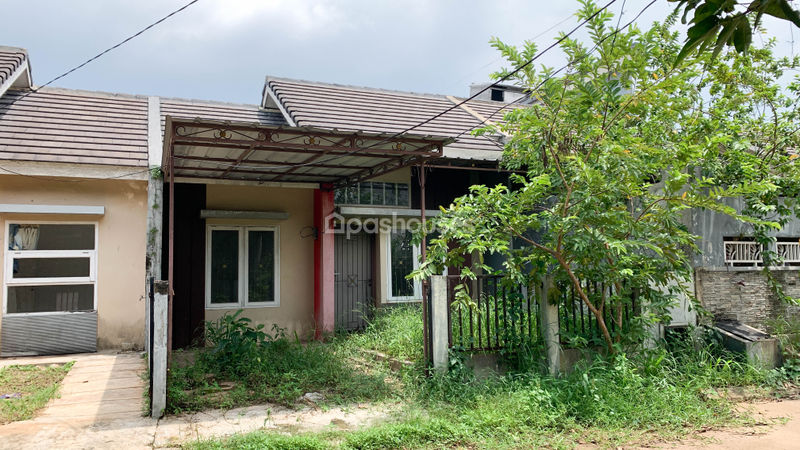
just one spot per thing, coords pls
(439, 313)
(158, 353)
(548, 318)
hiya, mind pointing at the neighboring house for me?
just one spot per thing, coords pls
(85, 212)
(73, 206)
(729, 279)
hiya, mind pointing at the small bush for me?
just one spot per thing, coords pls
(246, 365)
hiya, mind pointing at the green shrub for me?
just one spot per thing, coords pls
(265, 368)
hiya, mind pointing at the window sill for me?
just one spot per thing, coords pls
(402, 300)
(238, 306)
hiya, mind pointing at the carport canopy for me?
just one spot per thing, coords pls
(209, 150)
(217, 150)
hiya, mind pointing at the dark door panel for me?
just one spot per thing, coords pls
(353, 266)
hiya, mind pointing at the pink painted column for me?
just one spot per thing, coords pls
(323, 262)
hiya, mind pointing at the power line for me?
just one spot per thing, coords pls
(451, 108)
(93, 58)
(569, 64)
(563, 21)
(113, 47)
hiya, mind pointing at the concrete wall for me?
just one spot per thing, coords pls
(739, 293)
(121, 245)
(712, 227)
(296, 310)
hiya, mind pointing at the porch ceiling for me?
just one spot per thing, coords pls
(208, 149)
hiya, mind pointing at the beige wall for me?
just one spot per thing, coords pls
(398, 176)
(296, 310)
(121, 244)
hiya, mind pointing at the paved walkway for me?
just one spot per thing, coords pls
(102, 398)
(101, 406)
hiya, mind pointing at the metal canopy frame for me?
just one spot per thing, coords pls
(224, 150)
(211, 149)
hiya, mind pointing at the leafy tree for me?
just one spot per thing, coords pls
(615, 152)
(720, 23)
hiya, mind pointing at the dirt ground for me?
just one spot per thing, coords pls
(777, 426)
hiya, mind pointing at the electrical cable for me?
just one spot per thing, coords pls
(79, 66)
(440, 114)
(552, 75)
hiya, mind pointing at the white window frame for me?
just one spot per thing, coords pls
(243, 275)
(417, 285)
(10, 255)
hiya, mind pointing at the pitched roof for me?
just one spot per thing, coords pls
(374, 110)
(191, 109)
(59, 125)
(80, 127)
(13, 62)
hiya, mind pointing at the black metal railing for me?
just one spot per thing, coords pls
(578, 325)
(495, 314)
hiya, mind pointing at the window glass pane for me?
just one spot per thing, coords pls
(224, 266)
(377, 193)
(402, 263)
(389, 194)
(402, 195)
(50, 267)
(261, 266)
(352, 195)
(340, 195)
(50, 237)
(365, 194)
(32, 299)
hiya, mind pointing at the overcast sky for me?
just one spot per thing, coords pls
(223, 49)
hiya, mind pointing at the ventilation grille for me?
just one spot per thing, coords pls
(49, 334)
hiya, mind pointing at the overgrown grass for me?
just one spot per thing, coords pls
(659, 393)
(34, 385)
(248, 366)
(395, 331)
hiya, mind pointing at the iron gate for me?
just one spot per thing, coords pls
(353, 266)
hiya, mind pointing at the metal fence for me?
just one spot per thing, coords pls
(578, 323)
(503, 315)
(499, 314)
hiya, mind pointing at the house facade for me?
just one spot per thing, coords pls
(298, 210)
(239, 206)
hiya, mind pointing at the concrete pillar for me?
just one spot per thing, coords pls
(548, 318)
(439, 313)
(158, 354)
(155, 197)
(323, 262)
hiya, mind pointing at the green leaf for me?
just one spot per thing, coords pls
(743, 36)
(782, 10)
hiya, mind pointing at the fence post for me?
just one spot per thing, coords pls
(550, 326)
(438, 319)
(158, 351)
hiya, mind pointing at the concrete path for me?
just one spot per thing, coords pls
(101, 399)
(101, 405)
